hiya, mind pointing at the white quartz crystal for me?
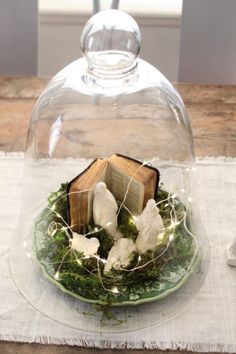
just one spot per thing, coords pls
(231, 254)
(87, 246)
(120, 255)
(150, 226)
(104, 210)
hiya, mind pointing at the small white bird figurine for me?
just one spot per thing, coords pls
(150, 226)
(87, 246)
(104, 210)
(120, 255)
(231, 254)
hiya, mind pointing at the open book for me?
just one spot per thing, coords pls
(127, 179)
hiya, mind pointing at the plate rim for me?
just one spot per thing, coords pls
(193, 265)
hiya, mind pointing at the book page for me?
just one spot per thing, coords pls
(147, 177)
(133, 167)
(118, 182)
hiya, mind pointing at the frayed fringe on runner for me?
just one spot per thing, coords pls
(199, 159)
(212, 160)
(119, 344)
(13, 154)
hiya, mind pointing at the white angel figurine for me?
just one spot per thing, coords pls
(120, 255)
(150, 226)
(231, 254)
(87, 246)
(104, 210)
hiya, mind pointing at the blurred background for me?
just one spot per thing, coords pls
(187, 40)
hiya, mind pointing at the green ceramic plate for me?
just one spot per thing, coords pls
(173, 277)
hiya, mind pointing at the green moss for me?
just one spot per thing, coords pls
(85, 276)
(126, 225)
(58, 201)
(105, 240)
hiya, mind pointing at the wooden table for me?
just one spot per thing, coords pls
(212, 111)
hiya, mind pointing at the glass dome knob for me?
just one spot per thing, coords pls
(111, 42)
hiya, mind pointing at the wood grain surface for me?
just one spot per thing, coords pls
(211, 108)
(212, 111)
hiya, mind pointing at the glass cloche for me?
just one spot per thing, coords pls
(108, 214)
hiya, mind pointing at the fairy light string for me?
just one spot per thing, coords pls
(173, 222)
